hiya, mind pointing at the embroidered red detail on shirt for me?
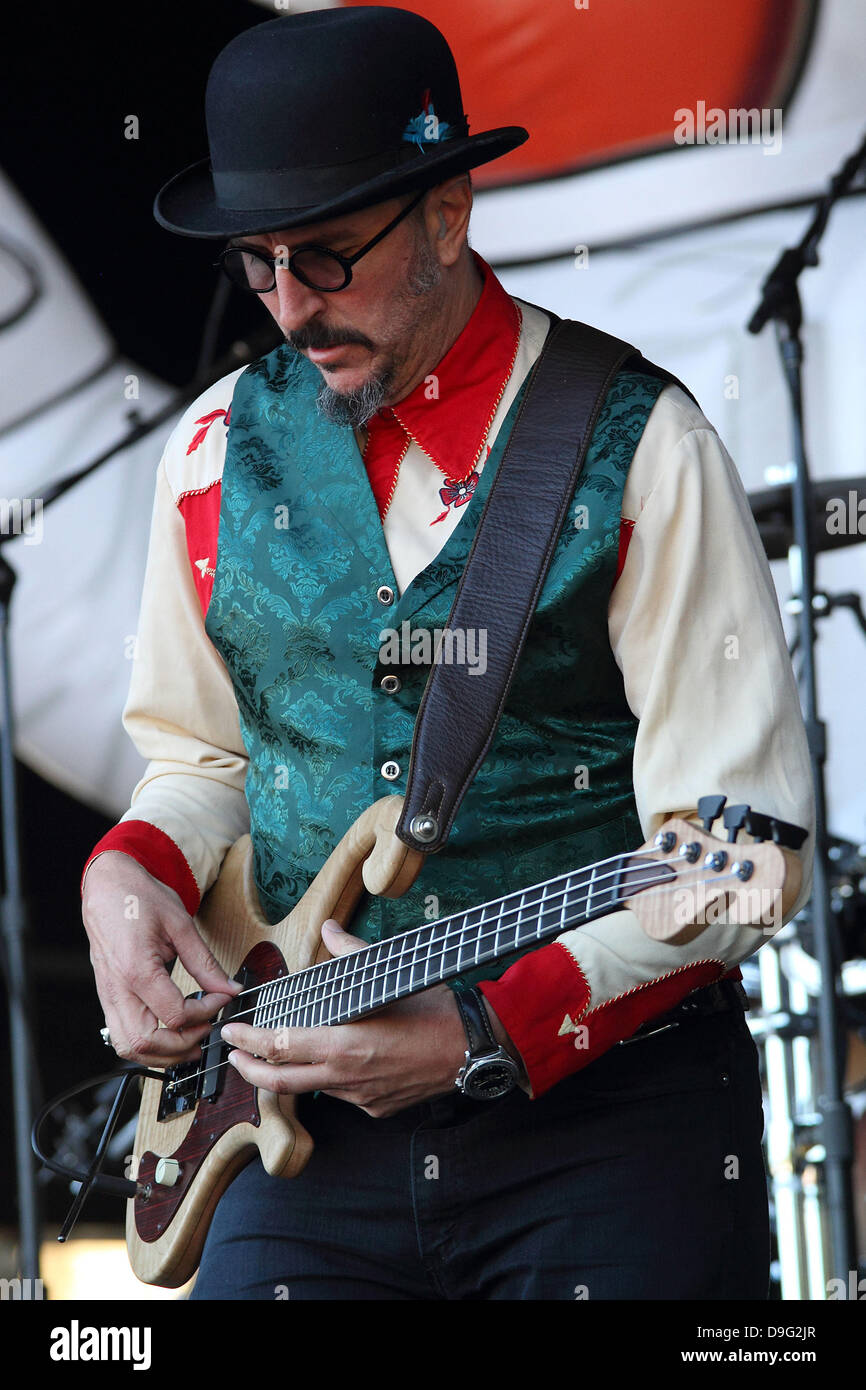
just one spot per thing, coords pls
(456, 493)
(207, 421)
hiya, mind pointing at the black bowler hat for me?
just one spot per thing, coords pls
(321, 113)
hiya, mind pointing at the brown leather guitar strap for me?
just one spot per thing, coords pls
(507, 566)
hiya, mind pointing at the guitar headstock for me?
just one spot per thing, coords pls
(686, 879)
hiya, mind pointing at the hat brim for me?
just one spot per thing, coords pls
(187, 204)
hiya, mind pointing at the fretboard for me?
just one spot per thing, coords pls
(347, 987)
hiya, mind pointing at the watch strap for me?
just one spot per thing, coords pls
(480, 1037)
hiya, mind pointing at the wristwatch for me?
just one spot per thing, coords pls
(489, 1071)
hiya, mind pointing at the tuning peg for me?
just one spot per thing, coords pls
(758, 826)
(709, 809)
(734, 819)
(786, 834)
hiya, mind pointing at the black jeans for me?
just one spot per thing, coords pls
(641, 1177)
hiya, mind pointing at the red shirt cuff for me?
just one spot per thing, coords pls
(543, 1004)
(536, 1000)
(154, 851)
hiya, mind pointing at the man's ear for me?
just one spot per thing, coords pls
(451, 204)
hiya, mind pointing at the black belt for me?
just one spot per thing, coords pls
(719, 998)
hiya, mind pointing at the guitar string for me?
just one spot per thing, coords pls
(402, 965)
(216, 1066)
(480, 907)
(330, 972)
(299, 984)
(299, 988)
(298, 1000)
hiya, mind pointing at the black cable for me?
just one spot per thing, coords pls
(117, 1187)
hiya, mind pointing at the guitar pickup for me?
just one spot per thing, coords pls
(186, 1083)
(213, 1059)
(214, 1051)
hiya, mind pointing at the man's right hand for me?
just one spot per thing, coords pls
(130, 957)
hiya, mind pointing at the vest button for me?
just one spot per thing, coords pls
(390, 770)
(385, 594)
(390, 684)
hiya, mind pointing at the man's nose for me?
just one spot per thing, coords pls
(292, 303)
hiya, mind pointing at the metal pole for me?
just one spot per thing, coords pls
(13, 925)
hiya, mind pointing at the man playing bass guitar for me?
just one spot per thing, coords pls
(318, 507)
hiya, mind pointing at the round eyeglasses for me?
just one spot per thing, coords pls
(317, 267)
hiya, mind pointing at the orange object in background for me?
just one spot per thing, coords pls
(597, 83)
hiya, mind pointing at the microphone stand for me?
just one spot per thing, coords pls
(780, 301)
(14, 927)
(12, 906)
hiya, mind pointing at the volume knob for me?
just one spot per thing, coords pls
(167, 1172)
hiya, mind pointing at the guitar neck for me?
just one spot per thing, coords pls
(348, 987)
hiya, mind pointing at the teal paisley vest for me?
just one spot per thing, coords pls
(296, 618)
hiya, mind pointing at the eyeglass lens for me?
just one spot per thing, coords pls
(319, 269)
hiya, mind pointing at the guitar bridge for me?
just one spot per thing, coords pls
(180, 1090)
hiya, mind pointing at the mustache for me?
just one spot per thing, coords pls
(316, 336)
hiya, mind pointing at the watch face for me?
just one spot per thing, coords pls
(488, 1080)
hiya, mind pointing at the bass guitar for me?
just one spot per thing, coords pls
(202, 1122)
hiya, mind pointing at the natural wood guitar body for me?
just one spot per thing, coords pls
(166, 1232)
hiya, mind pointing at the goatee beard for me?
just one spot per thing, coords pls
(355, 407)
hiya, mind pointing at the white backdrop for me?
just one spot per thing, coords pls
(683, 300)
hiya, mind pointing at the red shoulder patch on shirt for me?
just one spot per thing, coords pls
(201, 518)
